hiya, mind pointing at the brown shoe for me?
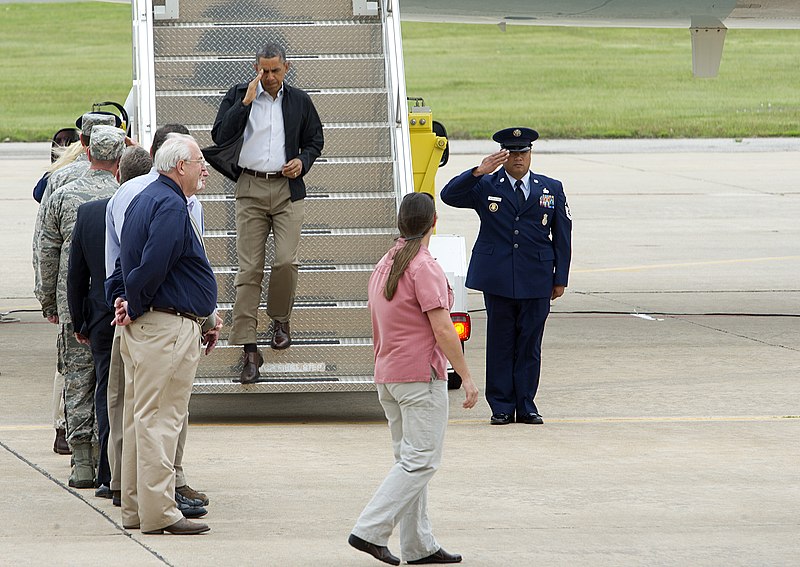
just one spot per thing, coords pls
(250, 373)
(190, 493)
(281, 338)
(60, 444)
(181, 527)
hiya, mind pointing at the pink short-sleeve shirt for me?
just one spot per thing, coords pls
(405, 346)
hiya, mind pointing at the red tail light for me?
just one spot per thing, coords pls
(463, 325)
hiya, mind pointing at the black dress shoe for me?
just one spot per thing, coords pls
(379, 552)
(532, 418)
(103, 491)
(116, 498)
(252, 362)
(441, 556)
(501, 419)
(281, 338)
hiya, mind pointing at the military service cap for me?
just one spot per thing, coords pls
(90, 119)
(516, 139)
(107, 143)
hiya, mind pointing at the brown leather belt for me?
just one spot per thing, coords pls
(263, 174)
(191, 316)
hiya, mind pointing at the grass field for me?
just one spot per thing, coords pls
(566, 82)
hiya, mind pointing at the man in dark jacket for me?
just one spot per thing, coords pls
(520, 262)
(267, 135)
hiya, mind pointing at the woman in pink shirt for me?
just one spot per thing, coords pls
(410, 300)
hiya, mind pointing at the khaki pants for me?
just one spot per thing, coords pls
(116, 398)
(59, 421)
(264, 205)
(417, 415)
(160, 353)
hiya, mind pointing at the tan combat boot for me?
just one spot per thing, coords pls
(82, 475)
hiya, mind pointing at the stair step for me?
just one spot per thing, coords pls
(317, 248)
(332, 105)
(341, 140)
(272, 10)
(337, 210)
(326, 359)
(326, 283)
(310, 321)
(244, 40)
(308, 73)
(284, 384)
(340, 175)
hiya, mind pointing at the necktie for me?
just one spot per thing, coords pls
(520, 193)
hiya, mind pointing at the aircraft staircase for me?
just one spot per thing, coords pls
(347, 55)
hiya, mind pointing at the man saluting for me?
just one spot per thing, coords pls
(520, 261)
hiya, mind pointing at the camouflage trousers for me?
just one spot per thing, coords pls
(76, 364)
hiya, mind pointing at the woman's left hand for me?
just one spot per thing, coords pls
(470, 391)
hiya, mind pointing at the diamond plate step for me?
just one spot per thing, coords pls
(343, 357)
(284, 385)
(224, 11)
(340, 175)
(311, 321)
(341, 140)
(333, 106)
(337, 210)
(325, 283)
(324, 72)
(244, 40)
(317, 248)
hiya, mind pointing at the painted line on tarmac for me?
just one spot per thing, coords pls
(635, 419)
(79, 496)
(685, 264)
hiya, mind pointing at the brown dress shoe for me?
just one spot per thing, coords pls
(60, 444)
(281, 338)
(181, 527)
(188, 492)
(250, 373)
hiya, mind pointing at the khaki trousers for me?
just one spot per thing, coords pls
(264, 205)
(59, 421)
(160, 352)
(116, 398)
(417, 415)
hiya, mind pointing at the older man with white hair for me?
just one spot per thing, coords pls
(165, 296)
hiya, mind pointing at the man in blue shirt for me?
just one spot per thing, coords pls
(167, 306)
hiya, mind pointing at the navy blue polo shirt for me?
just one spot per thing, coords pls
(162, 259)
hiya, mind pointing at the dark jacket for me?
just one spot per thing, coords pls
(520, 252)
(302, 129)
(87, 270)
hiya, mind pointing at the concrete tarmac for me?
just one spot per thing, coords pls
(669, 392)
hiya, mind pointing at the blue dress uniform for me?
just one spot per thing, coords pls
(522, 252)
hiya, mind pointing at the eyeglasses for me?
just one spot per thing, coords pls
(201, 161)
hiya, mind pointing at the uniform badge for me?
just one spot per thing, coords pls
(569, 213)
(494, 198)
(544, 220)
(517, 133)
(545, 190)
(493, 207)
(537, 181)
(547, 201)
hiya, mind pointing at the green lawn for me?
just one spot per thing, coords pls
(565, 82)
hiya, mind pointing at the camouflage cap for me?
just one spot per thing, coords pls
(91, 119)
(107, 143)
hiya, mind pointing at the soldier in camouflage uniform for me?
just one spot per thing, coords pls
(75, 362)
(59, 178)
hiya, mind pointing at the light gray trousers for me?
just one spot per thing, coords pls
(417, 414)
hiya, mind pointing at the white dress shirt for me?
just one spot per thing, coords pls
(264, 145)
